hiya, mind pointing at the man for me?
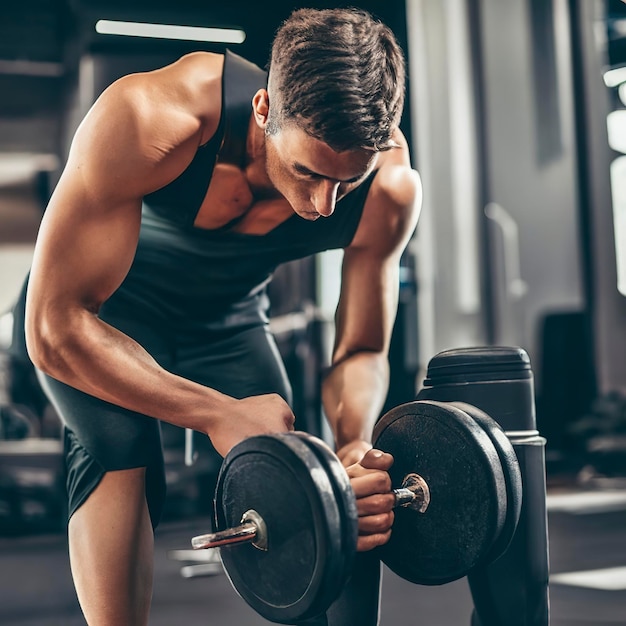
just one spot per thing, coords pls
(183, 190)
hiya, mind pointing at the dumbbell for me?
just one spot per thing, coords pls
(286, 516)
(413, 493)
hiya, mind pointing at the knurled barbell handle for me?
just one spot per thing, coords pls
(403, 496)
(413, 494)
(252, 529)
(238, 534)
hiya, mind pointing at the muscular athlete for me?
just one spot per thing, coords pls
(146, 298)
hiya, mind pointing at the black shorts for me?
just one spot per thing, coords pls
(101, 437)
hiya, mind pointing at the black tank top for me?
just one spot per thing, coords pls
(218, 277)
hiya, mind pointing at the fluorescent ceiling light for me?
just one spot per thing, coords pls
(22, 67)
(609, 579)
(170, 31)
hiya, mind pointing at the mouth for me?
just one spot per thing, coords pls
(310, 215)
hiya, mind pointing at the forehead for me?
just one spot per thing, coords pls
(294, 146)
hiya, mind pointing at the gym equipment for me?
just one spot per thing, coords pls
(286, 516)
(293, 505)
(513, 589)
(471, 514)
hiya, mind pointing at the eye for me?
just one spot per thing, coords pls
(304, 173)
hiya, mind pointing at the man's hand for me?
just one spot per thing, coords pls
(256, 415)
(371, 484)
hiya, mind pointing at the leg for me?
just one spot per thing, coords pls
(116, 488)
(360, 599)
(115, 482)
(111, 544)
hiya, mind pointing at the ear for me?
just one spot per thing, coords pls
(261, 107)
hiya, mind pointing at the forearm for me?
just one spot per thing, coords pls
(353, 395)
(84, 352)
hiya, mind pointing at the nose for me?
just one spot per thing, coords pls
(324, 198)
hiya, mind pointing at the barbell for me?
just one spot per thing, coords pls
(286, 515)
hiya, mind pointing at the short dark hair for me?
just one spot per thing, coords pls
(339, 74)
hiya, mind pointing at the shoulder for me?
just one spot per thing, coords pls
(151, 123)
(187, 93)
(396, 182)
(393, 202)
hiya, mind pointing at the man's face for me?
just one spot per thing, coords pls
(309, 174)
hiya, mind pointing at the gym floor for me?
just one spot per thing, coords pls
(587, 552)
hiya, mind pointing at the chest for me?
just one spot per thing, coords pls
(229, 199)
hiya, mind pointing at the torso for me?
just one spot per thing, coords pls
(227, 198)
(213, 236)
(231, 199)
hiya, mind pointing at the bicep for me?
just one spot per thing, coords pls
(83, 251)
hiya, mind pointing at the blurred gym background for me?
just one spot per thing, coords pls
(516, 116)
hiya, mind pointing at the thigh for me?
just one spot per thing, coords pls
(117, 437)
(238, 363)
(101, 437)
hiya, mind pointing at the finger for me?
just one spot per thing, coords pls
(375, 524)
(352, 457)
(369, 542)
(374, 482)
(353, 452)
(375, 504)
(376, 459)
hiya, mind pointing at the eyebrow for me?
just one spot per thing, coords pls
(303, 169)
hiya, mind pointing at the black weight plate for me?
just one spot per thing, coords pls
(346, 501)
(467, 506)
(512, 477)
(280, 478)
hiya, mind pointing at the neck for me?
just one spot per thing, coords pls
(255, 170)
